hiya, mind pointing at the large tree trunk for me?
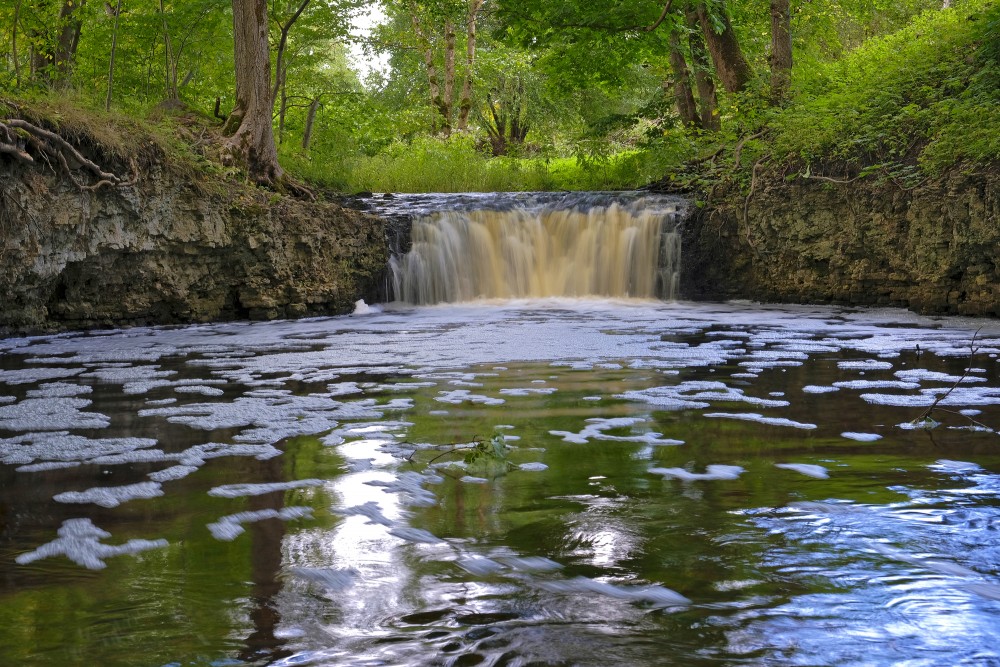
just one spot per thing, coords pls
(708, 105)
(251, 144)
(683, 97)
(730, 64)
(69, 39)
(781, 50)
(465, 104)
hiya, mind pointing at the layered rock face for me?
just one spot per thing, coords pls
(933, 249)
(171, 250)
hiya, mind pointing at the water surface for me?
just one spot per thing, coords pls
(693, 484)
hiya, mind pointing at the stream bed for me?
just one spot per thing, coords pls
(671, 484)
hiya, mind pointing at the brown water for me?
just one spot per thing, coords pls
(317, 440)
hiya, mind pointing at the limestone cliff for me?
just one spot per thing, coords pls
(934, 248)
(172, 247)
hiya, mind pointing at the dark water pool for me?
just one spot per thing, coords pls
(687, 485)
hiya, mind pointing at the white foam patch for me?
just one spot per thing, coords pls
(199, 389)
(229, 527)
(861, 437)
(111, 496)
(658, 596)
(922, 375)
(596, 430)
(418, 535)
(60, 446)
(57, 390)
(947, 465)
(369, 510)
(970, 412)
(470, 479)
(956, 396)
(875, 384)
(36, 375)
(460, 396)
(7, 399)
(542, 391)
(754, 417)
(411, 485)
(50, 414)
(172, 473)
(161, 401)
(697, 394)
(808, 469)
(864, 365)
(43, 467)
(817, 389)
(533, 467)
(275, 418)
(240, 490)
(712, 472)
(79, 540)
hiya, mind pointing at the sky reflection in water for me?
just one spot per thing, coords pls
(701, 484)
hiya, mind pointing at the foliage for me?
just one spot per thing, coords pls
(927, 96)
(489, 456)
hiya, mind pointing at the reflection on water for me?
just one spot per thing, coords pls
(690, 484)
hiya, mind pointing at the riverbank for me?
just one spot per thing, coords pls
(931, 248)
(174, 240)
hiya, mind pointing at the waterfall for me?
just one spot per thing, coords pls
(571, 247)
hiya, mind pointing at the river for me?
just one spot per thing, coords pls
(672, 483)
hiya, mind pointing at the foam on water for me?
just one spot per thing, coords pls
(79, 540)
(111, 496)
(808, 469)
(229, 527)
(712, 472)
(50, 414)
(754, 417)
(596, 430)
(239, 490)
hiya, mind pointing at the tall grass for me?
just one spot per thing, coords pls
(429, 164)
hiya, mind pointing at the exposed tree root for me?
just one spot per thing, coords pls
(17, 135)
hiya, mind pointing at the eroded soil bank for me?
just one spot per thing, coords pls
(171, 246)
(934, 248)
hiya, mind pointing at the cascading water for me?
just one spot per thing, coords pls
(539, 245)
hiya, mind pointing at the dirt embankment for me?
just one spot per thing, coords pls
(934, 248)
(169, 245)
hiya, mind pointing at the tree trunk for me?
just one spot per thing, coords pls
(251, 144)
(708, 105)
(69, 38)
(730, 64)
(428, 53)
(283, 108)
(13, 45)
(449, 76)
(170, 75)
(111, 60)
(683, 97)
(465, 104)
(282, 45)
(310, 119)
(781, 50)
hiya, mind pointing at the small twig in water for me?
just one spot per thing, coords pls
(926, 416)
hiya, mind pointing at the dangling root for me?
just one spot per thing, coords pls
(16, 135)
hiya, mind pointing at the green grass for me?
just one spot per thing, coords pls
(429, 164)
